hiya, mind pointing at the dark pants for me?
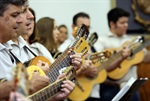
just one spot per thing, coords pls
(107, 92)
(92, 99)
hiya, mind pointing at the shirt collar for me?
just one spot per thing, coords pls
(110, 34)
(7, 45)
(21, 41)
(2, 46)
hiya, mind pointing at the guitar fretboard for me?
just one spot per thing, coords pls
(110, 60)
(141, 46)
(47, 92)
(63, 61)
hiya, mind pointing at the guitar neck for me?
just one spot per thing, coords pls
(110, 60)
(63, 61)
(22, 90)
(79, 45)
(47, 92)
(141, 46)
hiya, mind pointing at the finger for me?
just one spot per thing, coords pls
(69, 82)
(65, 92)
(77, 55)
(39, 63)
(68, 85)
(61, 76)
(35, 72)
(69, 51)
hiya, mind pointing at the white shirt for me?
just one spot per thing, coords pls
(40, 50)
(65, 44)
(6, 63)
(21, 53)
(111, 41)
(6, 58)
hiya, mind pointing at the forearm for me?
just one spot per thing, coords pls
(6, 88)
(114, 64)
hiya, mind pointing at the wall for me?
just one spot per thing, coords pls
(63, 11)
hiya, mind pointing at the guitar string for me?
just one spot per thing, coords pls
(58, 64)
(48, 91)
(65, 62)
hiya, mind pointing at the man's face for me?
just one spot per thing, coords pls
(9, 22)
(80, 21)
(27, 26)
(83, 20)
(121, 26)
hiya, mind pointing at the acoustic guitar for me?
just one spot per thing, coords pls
(52, 89)
(137, 55)
(92, 39)
(78, 46)
(88, 83)
(20, 77)
(74, 33)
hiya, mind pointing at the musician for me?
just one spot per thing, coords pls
(76, 18)
(35, 46)
(63, 35)
(10, 20)
(118, 24)
(10, 61)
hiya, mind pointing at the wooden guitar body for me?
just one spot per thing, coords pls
(33, 66)
(124, 67)
(31, 69)
(35, 60)
(87, 85)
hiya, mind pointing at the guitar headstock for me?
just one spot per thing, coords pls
(81, 46)
(20, 77)
(81, 31)
(100, 56)
(92, 39)
(135, 42)
(138, 43)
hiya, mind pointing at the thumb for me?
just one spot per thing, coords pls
(61, 76)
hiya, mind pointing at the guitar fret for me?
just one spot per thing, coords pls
(64, 61)
(48, 93)
(45, 95)
(57, 62)
(39, 97)
(42, 98)
(112, 58)
(141, 47)
(33, 98)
